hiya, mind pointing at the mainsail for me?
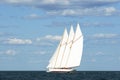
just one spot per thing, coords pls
(69, 51)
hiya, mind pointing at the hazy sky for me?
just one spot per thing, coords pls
(30, 31)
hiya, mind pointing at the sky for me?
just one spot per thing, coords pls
(30, 31)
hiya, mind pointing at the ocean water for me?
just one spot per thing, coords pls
(42, 75)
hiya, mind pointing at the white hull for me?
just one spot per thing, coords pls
(60, 70)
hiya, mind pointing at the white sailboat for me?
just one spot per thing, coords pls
(68, 53)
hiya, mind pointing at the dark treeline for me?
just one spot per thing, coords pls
(42, 75)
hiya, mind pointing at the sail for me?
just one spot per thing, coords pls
(56, 58)
(76, 49)
(67, 48)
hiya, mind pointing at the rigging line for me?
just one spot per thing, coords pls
(72, 40)
(75, 40)
(78, 38)
(66, 43)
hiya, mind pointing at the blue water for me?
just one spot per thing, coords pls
(42, 75)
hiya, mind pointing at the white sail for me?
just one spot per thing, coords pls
(67, 49)
(56, 58)
(76, 49)
(61, 51)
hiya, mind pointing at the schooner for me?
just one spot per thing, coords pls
(68, 53)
